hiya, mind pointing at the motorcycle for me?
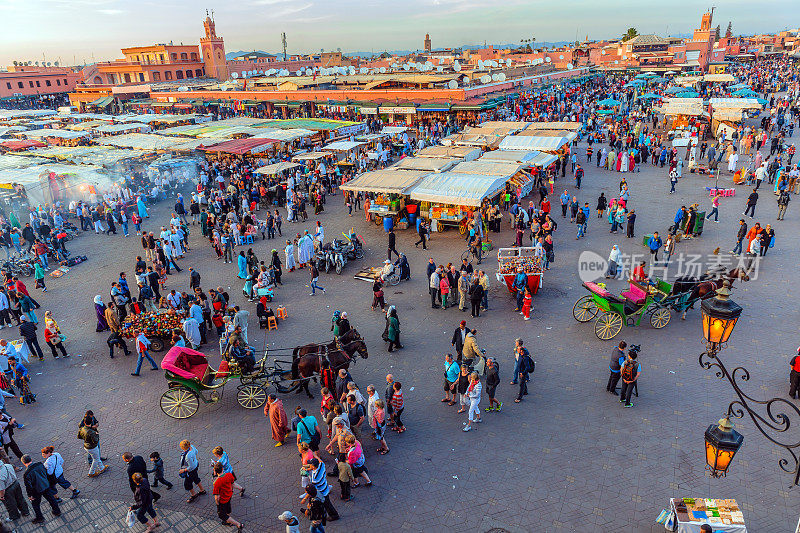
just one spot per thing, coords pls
(340, 253)
(356, 250)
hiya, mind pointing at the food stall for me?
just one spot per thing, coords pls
(391, 187)
(689, 514)
(510, 260)
(463, 153)
(430, 164)
(448, 198)
(157, 327)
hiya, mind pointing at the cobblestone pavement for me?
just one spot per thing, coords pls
(569, 458)
(92, 516)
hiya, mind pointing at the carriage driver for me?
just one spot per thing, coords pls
(243, 357)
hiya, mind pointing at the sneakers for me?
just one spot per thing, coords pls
(629, 404)
(499, 407)
(467, 428)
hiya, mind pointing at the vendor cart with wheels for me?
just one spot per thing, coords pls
(510, 260)
(157, 327)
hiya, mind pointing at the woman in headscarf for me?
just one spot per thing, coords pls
(242, 263)
(100, 309)
(275, 267)
(141, 207)
(614, 259)
(252, 262)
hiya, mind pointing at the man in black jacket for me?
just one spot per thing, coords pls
(135, 464)
(29, 236)
(37, 486)
(391, 248)
(458, 338)
(152, 281)
(28, 331)
(740, 235)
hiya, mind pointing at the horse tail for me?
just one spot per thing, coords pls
(295, 367)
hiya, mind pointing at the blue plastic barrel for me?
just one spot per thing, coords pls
(388, 223)
(412, 219)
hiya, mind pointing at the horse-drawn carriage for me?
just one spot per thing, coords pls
(655, 300)
(191, 379)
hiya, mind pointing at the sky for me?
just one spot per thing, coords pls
(78, 31)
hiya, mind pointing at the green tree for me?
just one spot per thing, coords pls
(630, 34)
(729, 31)
(716, 33)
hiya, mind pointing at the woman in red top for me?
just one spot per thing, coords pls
(53, 340)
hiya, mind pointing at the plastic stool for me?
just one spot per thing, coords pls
(249, 239)
(282, 313)
(272, 323)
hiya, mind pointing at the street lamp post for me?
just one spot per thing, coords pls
(720, 315)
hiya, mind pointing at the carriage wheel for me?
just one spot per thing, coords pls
(584, 309)
(462, 228)
(608, 325)
(660, 317)
(157, 344)
(179, 402)
(251, 396)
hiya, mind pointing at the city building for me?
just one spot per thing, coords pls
(213, 48)
(427, 42)
(33, 80)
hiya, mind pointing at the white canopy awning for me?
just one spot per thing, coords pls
(431, 164)
(309, 156)
(734, 103)
(487, 168)
(719, 78)
(343, 146)
(457, 189)
(465, 153)
(528, 143)
(393, 130)
(387, 181)
(276, 168)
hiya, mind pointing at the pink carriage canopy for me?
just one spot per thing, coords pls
(185, 362)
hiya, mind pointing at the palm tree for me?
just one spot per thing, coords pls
(630, 34)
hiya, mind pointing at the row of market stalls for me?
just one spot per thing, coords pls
(444, 184)
(714, 117)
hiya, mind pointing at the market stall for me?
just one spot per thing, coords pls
(391, 187)
(240, 147)
(724, 516)
(511, 260)
(528, 143)
(463, 153)
(448, 198)
(430, 164)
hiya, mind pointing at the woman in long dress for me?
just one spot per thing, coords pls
(99, 308)
(142, 208)
(242, 264)
(290, 262)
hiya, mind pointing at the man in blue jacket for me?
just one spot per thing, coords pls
(654, 244)
(520, 283)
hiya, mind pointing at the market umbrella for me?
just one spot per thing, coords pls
(634, 83)
(745, 93)
(649, 96)
(610, 102)
(761, 101)
(657, 79)
(738, 86)
(675, 90)
(687, 94)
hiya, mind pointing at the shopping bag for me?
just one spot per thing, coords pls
(130, 518)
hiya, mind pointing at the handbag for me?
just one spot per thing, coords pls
(772, 242)
(315, 437)
(130, 518)
(183, 463)
(62, 337)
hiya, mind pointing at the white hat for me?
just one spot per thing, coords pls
(387, 261)
(286, 515)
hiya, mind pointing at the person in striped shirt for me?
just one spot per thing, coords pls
(397, 407)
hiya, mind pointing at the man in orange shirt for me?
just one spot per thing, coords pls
(223, 492)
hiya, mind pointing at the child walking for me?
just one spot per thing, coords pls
(526, 305)
(345, 477)
(158, 470)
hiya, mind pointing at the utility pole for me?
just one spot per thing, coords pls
(283, 41)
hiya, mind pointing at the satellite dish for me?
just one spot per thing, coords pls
(485, 79)
(234, 75)
(561, 56)
(244, 74)
(465, 80)
(309, 72)
(351, 70)
(616, 62)
(452, 84)
(363, 70)
(501, 61)
(602, 52)
(624, 57)
(284, 72)
(406, 67)
(570, 66)
(440, 69)
(501, 77)
(383, 70)
(261, 72)
(428, 64)
(299, 72)
(456, 66)
(547, 59)
(480, 64)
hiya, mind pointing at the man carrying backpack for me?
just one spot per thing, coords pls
(526, 366)
(615, 366)
(631, 370)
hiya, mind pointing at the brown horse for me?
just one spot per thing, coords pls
(306, 349)
(342, 354)
(706, 286)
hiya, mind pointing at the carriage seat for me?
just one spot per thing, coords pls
(196, 365)
(636, 294)
(603, 292)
